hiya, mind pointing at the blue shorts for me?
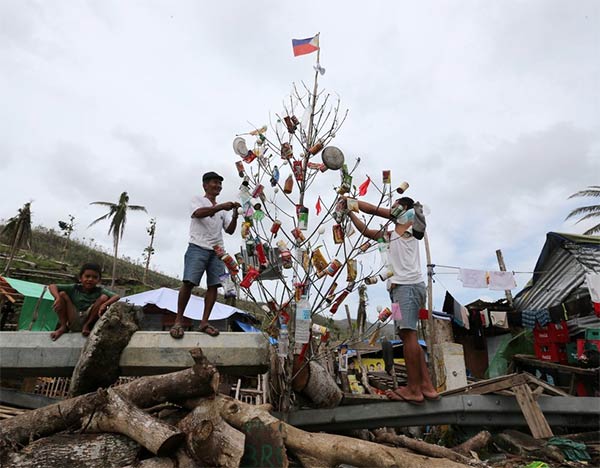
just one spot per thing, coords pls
(197, 261)
(410, 298)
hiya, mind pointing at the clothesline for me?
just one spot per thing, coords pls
(435, 265)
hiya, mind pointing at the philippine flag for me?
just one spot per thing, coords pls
(305, 46)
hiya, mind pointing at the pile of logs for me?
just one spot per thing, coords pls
(178, 419)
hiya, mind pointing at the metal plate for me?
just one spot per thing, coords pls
(333, 157)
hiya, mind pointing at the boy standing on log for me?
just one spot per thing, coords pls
(406, 288)
(79, 305)
(209, 218)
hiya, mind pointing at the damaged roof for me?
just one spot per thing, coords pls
(559, 273)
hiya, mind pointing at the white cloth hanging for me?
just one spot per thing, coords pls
(502, 280)
(473, 278)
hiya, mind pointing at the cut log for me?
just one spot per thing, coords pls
(264, 446)
(119, 415)
(519, 443)
(419, 446)
(320, 388)
(156, 462)
(474, 444)
(330, 450)
(75, 451)
(210, 440)
(98, 364)
(144, 392)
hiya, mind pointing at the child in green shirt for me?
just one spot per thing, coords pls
(78, 306)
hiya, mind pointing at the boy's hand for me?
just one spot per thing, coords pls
(102, 309)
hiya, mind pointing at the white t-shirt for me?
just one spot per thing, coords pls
(403, 253)
(207, 232)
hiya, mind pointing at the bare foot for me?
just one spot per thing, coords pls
(402, 393)
(55, 335)
(85, 330)
(430, 394)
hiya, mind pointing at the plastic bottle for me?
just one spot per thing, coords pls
(283, 342)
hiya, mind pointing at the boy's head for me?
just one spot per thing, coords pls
(407, 202)
(90, 275)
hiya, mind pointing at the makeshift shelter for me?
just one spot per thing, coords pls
(35, 301)
(559, 274)
(160, 306)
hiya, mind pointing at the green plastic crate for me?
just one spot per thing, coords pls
(571, 353)
(592, 334)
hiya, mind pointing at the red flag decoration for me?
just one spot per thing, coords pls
(318, 206)
(305, 46)
(362, 189)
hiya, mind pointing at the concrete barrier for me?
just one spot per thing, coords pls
(34, 354)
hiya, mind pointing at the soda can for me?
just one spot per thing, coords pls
(219, 250)
(333, 267)
(295, 120)
(289, 123)
(240, 167)
(403, 187)
(351, 269)
(314, 165)
(252, 274)
(303, 218)
(258, 191)
(338, 234)
(387, 177)
(366, 246)
(371, 280)
(297, 169)
(275, 227)
(286, 151)
(251, 156)
(330, 296)
(384, 314)
(297, 233)
(318, 146)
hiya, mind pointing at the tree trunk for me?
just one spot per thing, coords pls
(147, 267)
(474, 444)
(13, 250)
(144, 392)
(321, 388)
(120, 416)
(419, 446)
(329, 450)
(210, 440)
(114, 268)
(98, 364)
(76, 451)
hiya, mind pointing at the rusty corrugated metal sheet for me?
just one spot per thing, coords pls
(562, 275)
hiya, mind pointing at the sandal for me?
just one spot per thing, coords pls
(209, 330)
(177, 331)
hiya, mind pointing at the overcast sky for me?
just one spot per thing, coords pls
(490, 110)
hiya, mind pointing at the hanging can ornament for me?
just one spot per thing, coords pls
(318, 260)
(371, 280)
(240, 168)
(387, 177)
(339, 301)
(230, 263)
(275, 227)
(403, 187)
(297, 233)
(384, 314)
(333, 267)
(297, 170)
(314, 165)
(289, 185)
(318, 146)
(303, 218)
(330, 296)
(365, 246)
(351, 269)
(245, 229)
(290, 124)
(250, 246)
(219, 250)
(251, 156)
(252, 274)
(258, 190)
(261, 255)
(286, 151)
(338, 234)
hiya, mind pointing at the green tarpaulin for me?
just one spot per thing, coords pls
(46, 317)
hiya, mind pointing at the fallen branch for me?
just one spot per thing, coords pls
(474, 444)
(419, 446)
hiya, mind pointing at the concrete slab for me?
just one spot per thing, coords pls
(30, 354)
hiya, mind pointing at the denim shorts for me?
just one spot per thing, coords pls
(410, 298)
(197, 261)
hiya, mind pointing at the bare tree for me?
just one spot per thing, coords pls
(149, 251)
(18, 231)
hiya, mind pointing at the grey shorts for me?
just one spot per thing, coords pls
(410, 298)
(197, 261)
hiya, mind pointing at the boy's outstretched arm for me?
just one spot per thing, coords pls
(368, 208)
(364, 230)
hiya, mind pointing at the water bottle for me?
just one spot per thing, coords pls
(284, 341)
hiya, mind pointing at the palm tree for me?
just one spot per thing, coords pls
(117, 214)
(588, 212)
(148, 251)
(18, 230)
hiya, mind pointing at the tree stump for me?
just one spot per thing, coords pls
(210, 440)
(320, 388)
(75, 451)
(98, 364)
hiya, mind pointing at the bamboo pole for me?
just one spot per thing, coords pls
(508, 294)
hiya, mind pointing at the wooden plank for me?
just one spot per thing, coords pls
(546, 386)
(532, 412)
(533, 361)
(490, 386)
